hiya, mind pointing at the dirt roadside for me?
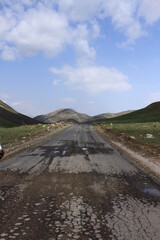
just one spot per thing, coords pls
(144, 156)
(33, 140)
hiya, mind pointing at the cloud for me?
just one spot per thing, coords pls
(31, 27)
(123, 14)
(9, 53)
(48, 32)
(92, 79)
(84, 52)
(27, 30)
(150, 11)
(81, 37)
(80, 10)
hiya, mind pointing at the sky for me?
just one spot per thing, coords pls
(94, 56)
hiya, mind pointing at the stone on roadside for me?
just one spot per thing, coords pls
(132, 137)
(149, 135)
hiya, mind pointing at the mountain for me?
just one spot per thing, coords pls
(65, 115)
(151, 113)
(104, 116)
(10, 117)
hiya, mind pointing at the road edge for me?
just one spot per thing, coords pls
(142, 163)
(35, 142)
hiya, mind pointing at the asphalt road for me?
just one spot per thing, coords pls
(76, 186)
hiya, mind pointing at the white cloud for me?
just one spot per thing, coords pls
(150, 10)
(42, 29)
(78, 10)
(48, 32)
(92, 79)
(29, 27)
(123, 15)
(84, 52)
(81, 36)
(9, 53)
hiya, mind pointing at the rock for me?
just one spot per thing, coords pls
(148, 135)
(132, 137)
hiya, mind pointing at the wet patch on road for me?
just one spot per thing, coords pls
(72, 148)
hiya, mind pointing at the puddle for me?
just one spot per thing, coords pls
(152, 192)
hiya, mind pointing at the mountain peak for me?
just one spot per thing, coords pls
(64, 114)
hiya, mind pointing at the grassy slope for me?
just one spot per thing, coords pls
(7, 107)
(9, 117)
(12, 127)
(148, 114)
(138, 124)
(16, 134)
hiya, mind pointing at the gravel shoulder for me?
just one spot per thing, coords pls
(33, 141)
(145, 157)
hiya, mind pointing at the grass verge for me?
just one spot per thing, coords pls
(137, 130)
(21, 133)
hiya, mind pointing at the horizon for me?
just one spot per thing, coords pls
(91, 56)
(72, 109)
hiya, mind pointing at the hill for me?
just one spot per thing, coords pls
(151, 113)
(10, 117)
(104, 116)
(65, 115)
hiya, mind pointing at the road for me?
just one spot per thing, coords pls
(76, 186)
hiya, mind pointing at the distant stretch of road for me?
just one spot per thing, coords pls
(76, 186)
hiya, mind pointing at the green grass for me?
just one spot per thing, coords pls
(149, 114)
(16, 134)
(139, 131)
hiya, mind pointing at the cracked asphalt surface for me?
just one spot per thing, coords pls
(76, 186)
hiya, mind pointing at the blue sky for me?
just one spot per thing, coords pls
(93, 56)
